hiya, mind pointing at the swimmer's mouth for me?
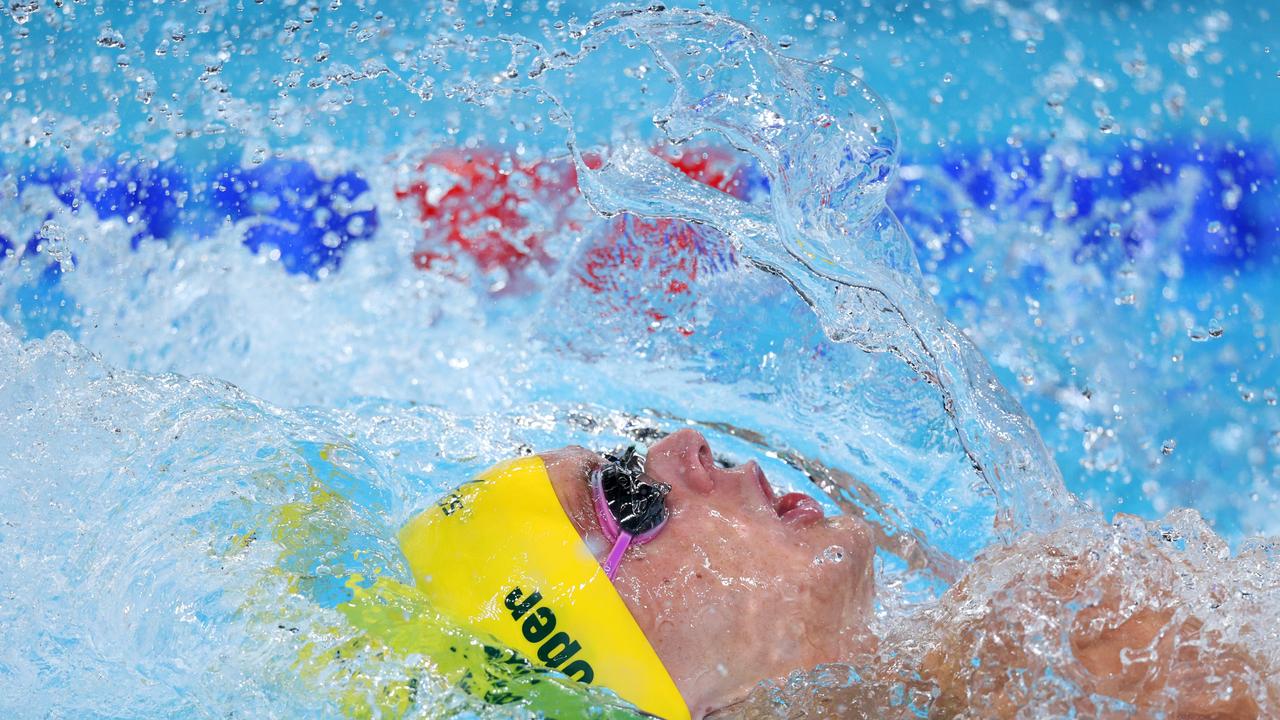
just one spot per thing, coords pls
(796, 509)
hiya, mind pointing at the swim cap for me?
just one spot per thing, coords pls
(500, 556)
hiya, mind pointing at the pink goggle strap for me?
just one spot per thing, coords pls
(615, 555)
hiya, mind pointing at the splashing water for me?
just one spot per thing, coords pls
(828, 147)
(213, 551)
(183, 547)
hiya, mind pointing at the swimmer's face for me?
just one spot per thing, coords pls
(740, 585)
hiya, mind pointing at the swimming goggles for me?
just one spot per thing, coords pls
(631, 509)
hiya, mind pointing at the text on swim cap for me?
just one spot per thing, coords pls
(554, 648)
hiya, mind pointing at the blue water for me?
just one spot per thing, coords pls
(207, 274)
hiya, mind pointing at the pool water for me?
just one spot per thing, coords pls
(326, 260)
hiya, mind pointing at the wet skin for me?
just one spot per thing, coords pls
(741, 585)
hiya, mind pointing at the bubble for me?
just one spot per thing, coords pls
(111, 38)
(1204, 334)
(52, 231)
(22, 10)
(832, 554)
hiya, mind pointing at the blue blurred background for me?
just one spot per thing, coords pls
(1092, 187)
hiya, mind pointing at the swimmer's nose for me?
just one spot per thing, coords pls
(682, 459)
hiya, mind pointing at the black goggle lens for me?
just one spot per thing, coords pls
(638, 506)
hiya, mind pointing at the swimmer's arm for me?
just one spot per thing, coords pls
(1153, 655)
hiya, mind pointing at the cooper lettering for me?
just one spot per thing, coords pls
(554, 648)
(539, 625)
(557, 649)
(518, 610)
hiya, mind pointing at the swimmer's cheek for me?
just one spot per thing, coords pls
(856, 540)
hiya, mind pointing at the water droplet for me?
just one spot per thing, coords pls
(1166, 448)
(52, 231)
(110, 38)
(1198, 334)
(21, 11)
(786, 41)
(832, 554)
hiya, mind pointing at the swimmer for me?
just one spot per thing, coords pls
(681, 583)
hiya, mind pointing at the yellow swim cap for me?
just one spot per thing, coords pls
(499, 555)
